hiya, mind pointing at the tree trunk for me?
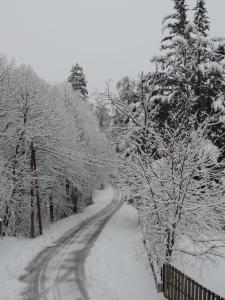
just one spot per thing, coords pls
(51, 207)
(35, 194)
(67, 190)
(75, 200)
(38, 207)
(7, 214)
(170, 244)
(32, 216)
(6, 219)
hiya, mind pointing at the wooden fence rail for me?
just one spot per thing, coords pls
(178, 286)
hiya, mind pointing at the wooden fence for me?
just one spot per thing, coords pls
(178, 286)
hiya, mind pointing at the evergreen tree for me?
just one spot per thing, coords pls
(181, 17)
(190, 71)
(176, 22)
(201, 19)
(208, 71)
(173, 67)
(78, 81)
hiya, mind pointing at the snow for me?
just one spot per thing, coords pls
(162, 98)
(219, 104)
(213, 67)
(209, 274)
(117, 267)
(15, 254)
(179, 40)
(210, 150)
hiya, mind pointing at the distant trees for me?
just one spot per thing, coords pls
(51, 149)
(102, 112)
(78, 81)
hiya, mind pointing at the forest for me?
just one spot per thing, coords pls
(159, 136)
(50, 142)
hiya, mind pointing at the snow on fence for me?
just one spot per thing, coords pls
(178, 286)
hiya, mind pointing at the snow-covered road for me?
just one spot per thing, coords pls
(58, 272)
(117, 267)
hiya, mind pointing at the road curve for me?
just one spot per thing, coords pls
(58, 272)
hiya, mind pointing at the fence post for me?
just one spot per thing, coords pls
(193, 287)
(165, 280)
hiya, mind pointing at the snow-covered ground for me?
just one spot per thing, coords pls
(117, 267)
(15, 254)
(210, 274)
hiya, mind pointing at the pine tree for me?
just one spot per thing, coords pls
(176, 22)
(208, 72)
(201, 55)
(190, 70)
(173, 66)
(78, 81)
(181, 16)
(201, 19)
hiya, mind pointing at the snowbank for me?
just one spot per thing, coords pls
(15, 254)
(117, 267)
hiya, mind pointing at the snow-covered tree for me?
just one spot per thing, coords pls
(78, 81)
(24, 91)
(180, 18)
(102, 112)
(163, 134)
(51, 150)
(190, 68)
(201, 19)
(178, 192)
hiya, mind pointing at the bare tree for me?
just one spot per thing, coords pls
(179, 191)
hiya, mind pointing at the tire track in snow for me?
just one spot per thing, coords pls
(58, 272)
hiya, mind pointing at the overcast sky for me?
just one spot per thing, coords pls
(109, 38)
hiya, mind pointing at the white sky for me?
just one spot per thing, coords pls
(109, 38)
